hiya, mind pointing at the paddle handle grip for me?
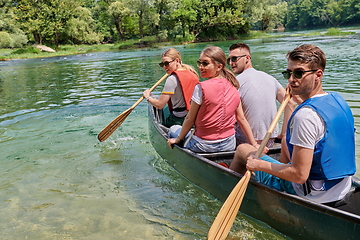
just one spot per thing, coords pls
(151, 89)
(272, 125)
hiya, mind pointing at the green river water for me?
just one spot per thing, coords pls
(58, 182)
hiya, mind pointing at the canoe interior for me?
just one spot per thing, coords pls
(289, 214)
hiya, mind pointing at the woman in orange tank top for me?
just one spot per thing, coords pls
(178, 88)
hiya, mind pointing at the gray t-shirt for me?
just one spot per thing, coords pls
(172, 86)
(258, 97)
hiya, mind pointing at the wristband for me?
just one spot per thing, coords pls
(180, 143)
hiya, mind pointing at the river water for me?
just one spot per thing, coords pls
(58, 182)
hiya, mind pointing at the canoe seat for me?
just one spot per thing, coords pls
(216, 154)
(350, 203)
(226, 156)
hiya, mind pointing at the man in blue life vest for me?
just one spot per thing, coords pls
(318, 153)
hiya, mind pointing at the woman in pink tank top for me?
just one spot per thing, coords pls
(215, 107)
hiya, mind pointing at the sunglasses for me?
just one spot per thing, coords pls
(298, 74)
(200, 63)
(234, 58)
(162, 64)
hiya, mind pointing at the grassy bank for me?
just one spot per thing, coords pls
(63, 50)
(9, 54)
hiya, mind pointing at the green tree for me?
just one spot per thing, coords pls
(103, 22)
(118, 11)
(5, 40)
(347, 11)
(163, 9)
(45, 19)
(115, 19)
(202, 19)
(310, 13)
(266, 15)
(11, 33)
(93, 21)
(78, 28)
(219, 19)
(49, 20)
(146, 14)
(185, 14)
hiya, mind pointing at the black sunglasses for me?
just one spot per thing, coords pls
(234, 58)
(298, 74)
(200, 63)
(162, 64)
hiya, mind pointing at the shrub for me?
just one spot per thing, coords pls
(27, 50)
(187, 39)
(5, 40)
(162, 36)
(336, 31)
(20, 39)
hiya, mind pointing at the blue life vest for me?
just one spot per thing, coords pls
(334, 154)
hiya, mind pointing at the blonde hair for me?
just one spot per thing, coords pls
(174, 54)
(218, 56)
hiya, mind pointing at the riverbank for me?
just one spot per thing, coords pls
(63, 50)
(147, 42)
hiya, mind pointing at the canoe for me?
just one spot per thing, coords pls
(289, 214)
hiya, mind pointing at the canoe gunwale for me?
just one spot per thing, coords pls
(201, 158)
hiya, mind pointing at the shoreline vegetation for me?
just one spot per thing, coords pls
(147, 42)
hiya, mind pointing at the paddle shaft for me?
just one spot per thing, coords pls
(151, 89)
(226, 216)
(272, 126)
(114, 124)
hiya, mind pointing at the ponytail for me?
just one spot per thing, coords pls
(190, 68)
(230, 77)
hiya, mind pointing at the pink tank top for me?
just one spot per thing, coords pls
(216, 117)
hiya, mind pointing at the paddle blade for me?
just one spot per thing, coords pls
(227, 214)
(113, 125)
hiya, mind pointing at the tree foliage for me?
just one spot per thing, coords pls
(265, 15)
(87, 21)
(218, 17)
(5, 40)
(11, 35)
(185, 15)
(52, 21)
(119, 12)
(322, 13)
(78, 28)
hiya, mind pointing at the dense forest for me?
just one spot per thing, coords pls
(55, 22)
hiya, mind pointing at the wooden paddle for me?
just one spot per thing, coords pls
(114, 124)
(226, 216)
